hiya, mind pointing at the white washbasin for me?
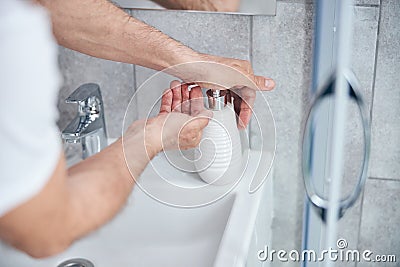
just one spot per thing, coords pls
(148, 233)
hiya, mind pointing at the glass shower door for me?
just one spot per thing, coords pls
(335, 91)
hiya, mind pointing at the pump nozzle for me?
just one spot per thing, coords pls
(217, 99)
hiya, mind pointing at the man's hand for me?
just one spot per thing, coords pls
(182, 117)
(242, 67)
(245, 96)
(180, 122)
(225, 73)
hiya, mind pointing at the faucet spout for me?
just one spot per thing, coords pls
(89, 127)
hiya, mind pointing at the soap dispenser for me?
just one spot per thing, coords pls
(219, 154)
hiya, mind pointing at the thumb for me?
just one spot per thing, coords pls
(203, 118)
(264, 83)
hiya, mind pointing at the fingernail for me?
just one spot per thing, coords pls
(267, 83)
(190, 87)
(241, 126)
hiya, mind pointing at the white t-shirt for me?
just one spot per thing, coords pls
(29, 81)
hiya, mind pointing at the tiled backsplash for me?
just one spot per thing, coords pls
(279, 47)
(116, 82)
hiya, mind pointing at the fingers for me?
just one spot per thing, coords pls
(166, 101)
(179, 99)
(192, 131)
(199, 122)
(203, 118)
(176, 96)
(185, 98)
(245, 115)
(196, 101)
(244, 99)
(264, 83)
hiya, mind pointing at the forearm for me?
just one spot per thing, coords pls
(99, 28)
(75, 202)
(97, 189)
(99, 186)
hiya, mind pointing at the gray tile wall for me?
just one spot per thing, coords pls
(282, 50)
(115, 80)
(385, 155)
(381, 219)
(280, 47)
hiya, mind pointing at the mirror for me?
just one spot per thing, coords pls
(251, 7)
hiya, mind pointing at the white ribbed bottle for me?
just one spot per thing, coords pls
(219, 155)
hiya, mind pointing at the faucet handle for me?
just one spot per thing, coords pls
(84, 92)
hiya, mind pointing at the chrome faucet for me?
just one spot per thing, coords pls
(89, 127)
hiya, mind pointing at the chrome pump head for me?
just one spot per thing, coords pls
(217, 99)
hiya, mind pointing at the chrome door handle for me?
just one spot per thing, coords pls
(318, 201)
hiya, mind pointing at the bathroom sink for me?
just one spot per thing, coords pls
(227, 231)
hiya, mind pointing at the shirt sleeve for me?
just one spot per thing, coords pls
(29, 80)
